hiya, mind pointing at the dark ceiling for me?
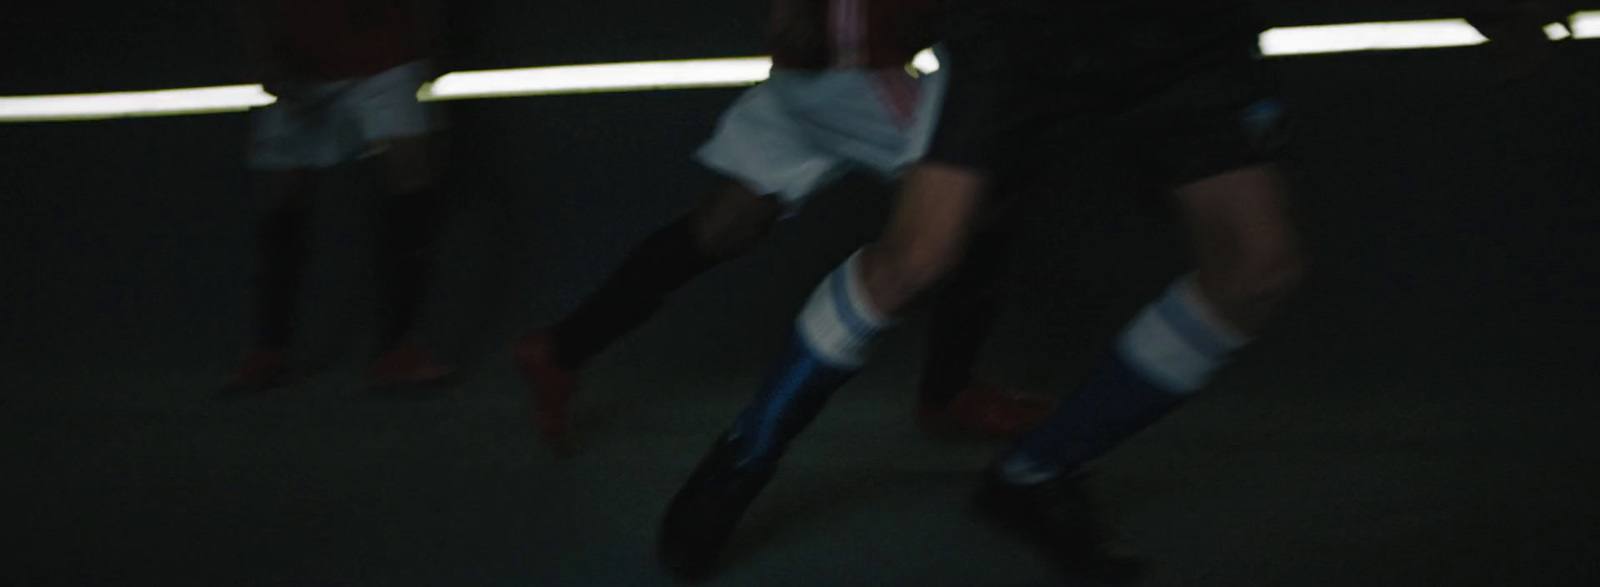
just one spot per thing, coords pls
(59, 47)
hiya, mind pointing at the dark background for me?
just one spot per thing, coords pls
(1422, 414)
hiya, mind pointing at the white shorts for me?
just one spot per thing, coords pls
(801, 130)
(335, 122)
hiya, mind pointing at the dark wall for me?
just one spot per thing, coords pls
(1434, 206)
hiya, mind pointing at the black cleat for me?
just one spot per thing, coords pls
(704, 513)
(1056, 517)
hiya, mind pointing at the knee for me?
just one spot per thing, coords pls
(1271, 282)
(1261, 275)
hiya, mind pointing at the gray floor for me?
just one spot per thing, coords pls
(1282, 476)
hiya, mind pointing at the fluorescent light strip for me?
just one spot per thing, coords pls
(1388, 36)
(610, 77)
(1377, 36)
(1586, 25)
(706, 73)
(615, 77)
(133, 104)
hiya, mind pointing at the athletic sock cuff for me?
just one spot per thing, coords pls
(839, 322)
(1177, 342)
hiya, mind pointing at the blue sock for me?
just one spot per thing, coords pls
(830, 342)
(1165, 355)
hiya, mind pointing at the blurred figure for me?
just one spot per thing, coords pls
(1176, 85)
(840, 96)
(346, 74)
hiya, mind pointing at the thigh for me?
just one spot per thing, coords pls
(926, 234)
(732, 219)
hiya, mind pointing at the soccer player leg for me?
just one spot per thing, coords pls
(1214, 135)
(410, 219)
(950, 400)
(1166, 354)
(834, 332)
(285, 241)
(768, 171)
(279, 154)
(409, 139)
(829, 343)
(726, 225)
(1249, 261)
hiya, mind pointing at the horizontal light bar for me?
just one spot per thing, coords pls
(1376, 36)
(615, 77)
(1390, 36)
(133, 104)
(1586, 25)
(610, 77)
(706, 73)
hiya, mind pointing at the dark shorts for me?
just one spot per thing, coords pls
(1180, 88)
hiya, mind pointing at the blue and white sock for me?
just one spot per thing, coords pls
(832, 338)
(1167, 353)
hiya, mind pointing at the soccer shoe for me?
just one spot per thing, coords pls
(1055, 516)
(408, 370)
(985, 410)
(262, 371)
(705, 512)
(550, 386)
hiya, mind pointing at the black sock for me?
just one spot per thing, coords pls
(963, 312)
(285, 241)
(408, 228)
(657, 266)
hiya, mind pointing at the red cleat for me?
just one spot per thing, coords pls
(407, 369)
(549, 386)
(986, 410)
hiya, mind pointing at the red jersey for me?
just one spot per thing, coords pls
(865, 34)
(336, 39)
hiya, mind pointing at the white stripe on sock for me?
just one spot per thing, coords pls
(1158, 350)
(824, 326)
(1155, 350)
